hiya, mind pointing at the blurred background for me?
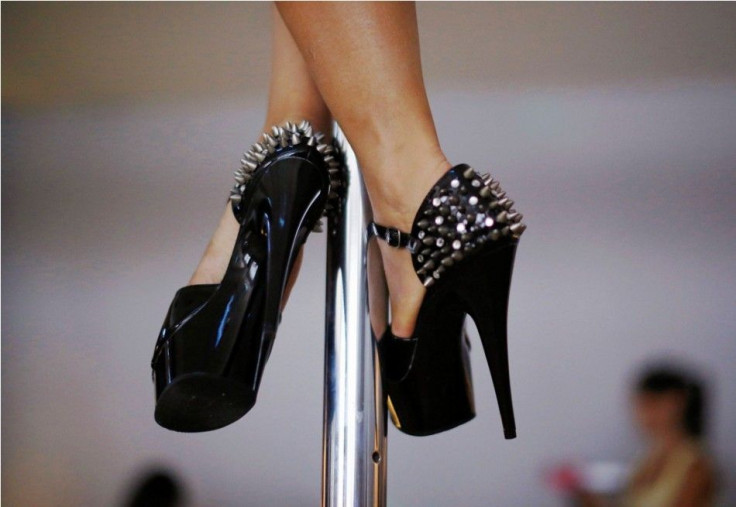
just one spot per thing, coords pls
(613, 125)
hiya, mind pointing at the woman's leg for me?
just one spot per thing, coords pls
(364, 58)
(292, 96)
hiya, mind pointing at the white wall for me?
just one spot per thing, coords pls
(627, 188)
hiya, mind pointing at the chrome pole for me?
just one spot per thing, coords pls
(354, 424)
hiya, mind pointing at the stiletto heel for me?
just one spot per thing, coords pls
(483, 285)
(462, 243)
(216, 339)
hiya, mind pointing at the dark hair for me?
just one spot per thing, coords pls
(667, 379)
(156, 489)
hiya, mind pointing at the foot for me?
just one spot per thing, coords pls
(214, 261)
(395, 199)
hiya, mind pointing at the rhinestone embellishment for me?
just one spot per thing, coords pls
(462, 211)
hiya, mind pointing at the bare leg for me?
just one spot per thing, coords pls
(293, 96)
(364, 58)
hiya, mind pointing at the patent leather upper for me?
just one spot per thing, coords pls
(216, 339)
(435, 392)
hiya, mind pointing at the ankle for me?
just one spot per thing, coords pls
(320, 121)
(399, 179)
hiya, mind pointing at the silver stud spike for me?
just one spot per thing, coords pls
(251, 166)
(502, 217)
(517, 229)
(447, 261)
(321, 148)
(428, 282)
(468, 173)
(485, 192)
(295, 139)
(235, 197)
(428, 265)
(495, 234)
(515, 217)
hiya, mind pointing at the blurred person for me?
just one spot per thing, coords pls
(675, 469)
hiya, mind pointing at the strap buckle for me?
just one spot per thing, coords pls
(392, 237)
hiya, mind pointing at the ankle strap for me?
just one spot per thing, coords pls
(393, 236)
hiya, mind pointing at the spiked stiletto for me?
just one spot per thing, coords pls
(462, 243)
(216, 339)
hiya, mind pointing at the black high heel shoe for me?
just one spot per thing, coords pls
(209, 358)
(463, 242)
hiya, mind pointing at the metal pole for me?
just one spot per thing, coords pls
(354, 431)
